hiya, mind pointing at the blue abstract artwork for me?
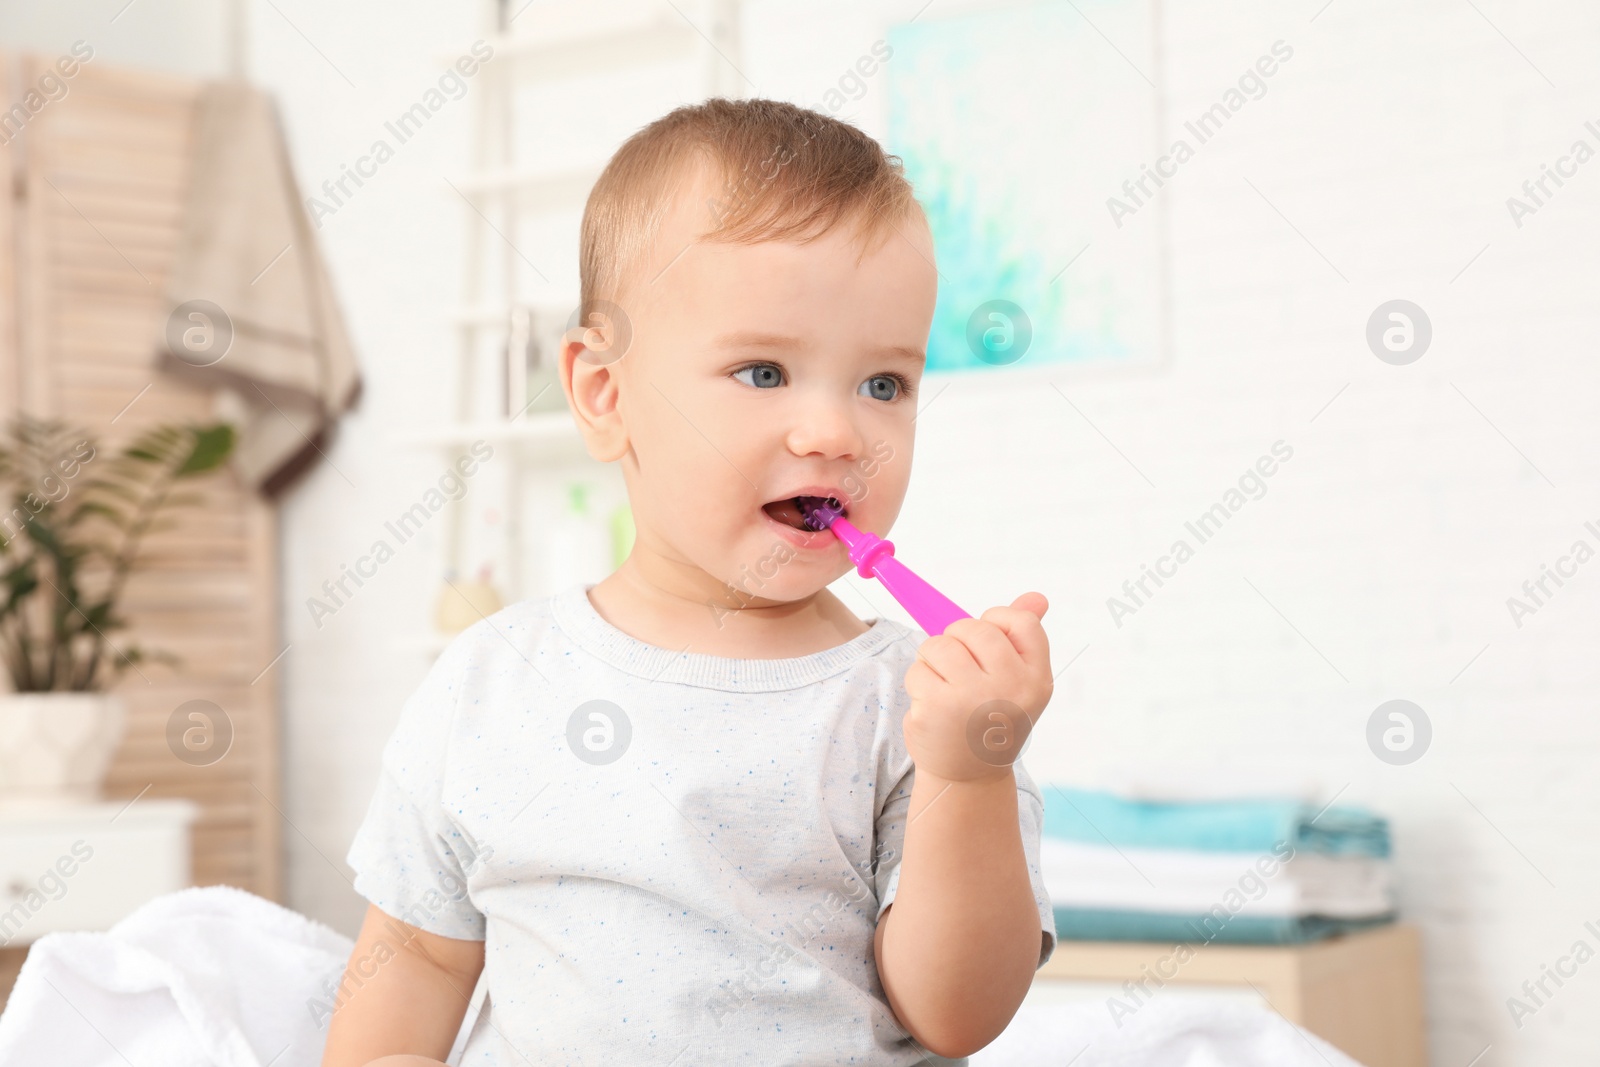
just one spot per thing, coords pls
(1015, 126)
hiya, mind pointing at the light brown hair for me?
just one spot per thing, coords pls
(786, 173)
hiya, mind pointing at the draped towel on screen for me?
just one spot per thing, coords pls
(251, 308)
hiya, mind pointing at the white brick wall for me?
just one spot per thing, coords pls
(1391, 539)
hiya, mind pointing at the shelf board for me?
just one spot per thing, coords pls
(429, 643)
(492, 315)
(581, 50)
(555, 188)
(552, 434)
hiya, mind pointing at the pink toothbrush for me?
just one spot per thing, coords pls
(874, 558)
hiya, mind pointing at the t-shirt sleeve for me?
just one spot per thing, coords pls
(890, 837)
(1030, 814)
(891, 832)
(411, 858)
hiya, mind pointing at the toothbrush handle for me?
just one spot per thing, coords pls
(932, 610)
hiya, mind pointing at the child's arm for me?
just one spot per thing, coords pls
(962, 953)
(401, 995)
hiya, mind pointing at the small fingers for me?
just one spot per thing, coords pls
(988, 644)
(947, 657)
(1034, 603)
(1024, 629)
(919, 676)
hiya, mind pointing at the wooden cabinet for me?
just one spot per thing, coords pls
(1361, 992)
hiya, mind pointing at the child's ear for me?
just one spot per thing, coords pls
(589, 377)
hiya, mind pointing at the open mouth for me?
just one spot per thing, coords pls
(794, 510)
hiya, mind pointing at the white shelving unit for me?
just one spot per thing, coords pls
(517, 179)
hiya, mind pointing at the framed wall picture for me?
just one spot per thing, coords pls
(1029, 132)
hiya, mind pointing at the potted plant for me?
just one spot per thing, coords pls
(69, 537)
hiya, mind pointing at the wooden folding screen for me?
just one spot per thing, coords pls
(87, 238)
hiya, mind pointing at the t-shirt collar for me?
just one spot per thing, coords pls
(577, 616)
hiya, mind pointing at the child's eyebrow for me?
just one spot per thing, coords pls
(757, 339)
(789, 343)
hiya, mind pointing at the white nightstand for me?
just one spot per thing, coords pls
(87, 866)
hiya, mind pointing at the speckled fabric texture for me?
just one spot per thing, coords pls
(672, 858)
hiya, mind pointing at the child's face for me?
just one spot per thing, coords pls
(755, 373)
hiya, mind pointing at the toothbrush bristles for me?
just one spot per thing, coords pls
(819, 513)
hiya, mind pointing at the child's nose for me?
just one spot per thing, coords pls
(826, 427)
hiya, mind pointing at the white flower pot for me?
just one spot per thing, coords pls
(56, 747)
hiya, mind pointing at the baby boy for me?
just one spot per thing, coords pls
(699, 812)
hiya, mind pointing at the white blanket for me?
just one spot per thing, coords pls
(210, 976)
(1166, 1032)
(218, 977)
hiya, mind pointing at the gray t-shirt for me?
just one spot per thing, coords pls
(672, 858)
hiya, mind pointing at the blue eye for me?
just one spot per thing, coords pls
(767, 375)
(883, 386)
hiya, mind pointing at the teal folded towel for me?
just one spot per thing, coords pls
(1097, 818)
(1100, 924)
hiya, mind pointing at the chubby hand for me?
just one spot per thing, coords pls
(977, 690)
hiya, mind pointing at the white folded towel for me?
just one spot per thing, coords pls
(1186, 882)
(210, 976)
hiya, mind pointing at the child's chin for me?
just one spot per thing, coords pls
(782, 577)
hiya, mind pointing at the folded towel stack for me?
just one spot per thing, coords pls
(1240, 871)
